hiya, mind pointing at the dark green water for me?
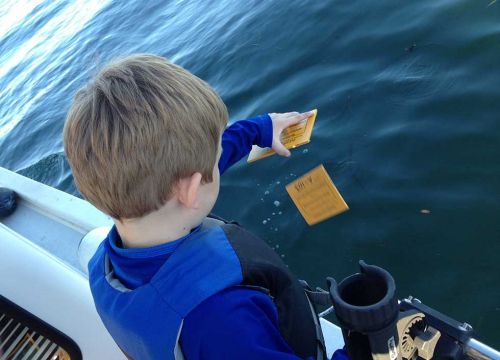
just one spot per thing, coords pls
(408, 97)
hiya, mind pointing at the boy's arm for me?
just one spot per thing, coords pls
(237, 139)
(263, 130)
(237, 323)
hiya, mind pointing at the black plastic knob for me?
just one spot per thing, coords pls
(8, 202)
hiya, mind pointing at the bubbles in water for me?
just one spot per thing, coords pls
(268, 219)
(279, 213)
(305, 151)
(278, 182)
(283, 255)
(276, 203)
(274, 213)
(277, 246)
(264, 222)
(266, 192)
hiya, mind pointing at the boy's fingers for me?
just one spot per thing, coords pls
(280, 149)
(298, 118)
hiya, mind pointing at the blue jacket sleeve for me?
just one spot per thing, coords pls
(340, 354)
(236, 323)
(237, 139)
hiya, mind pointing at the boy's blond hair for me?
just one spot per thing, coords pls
(136, 129)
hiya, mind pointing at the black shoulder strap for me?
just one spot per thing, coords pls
(262, 267)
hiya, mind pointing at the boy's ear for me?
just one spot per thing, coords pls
(187, 190)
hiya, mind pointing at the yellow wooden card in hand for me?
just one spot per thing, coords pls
(291, 137)
(316, 196)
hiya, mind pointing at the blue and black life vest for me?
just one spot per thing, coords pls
(146, 322)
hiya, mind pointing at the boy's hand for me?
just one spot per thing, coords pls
(281, 122)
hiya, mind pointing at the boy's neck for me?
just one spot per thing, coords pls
(164, 225)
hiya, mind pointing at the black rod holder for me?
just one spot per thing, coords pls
(367, 309)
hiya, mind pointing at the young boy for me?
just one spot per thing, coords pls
(147, 141)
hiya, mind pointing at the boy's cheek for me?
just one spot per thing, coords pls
(210, 192)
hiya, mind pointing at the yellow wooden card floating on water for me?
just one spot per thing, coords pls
(316, 196)
(291, 137)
